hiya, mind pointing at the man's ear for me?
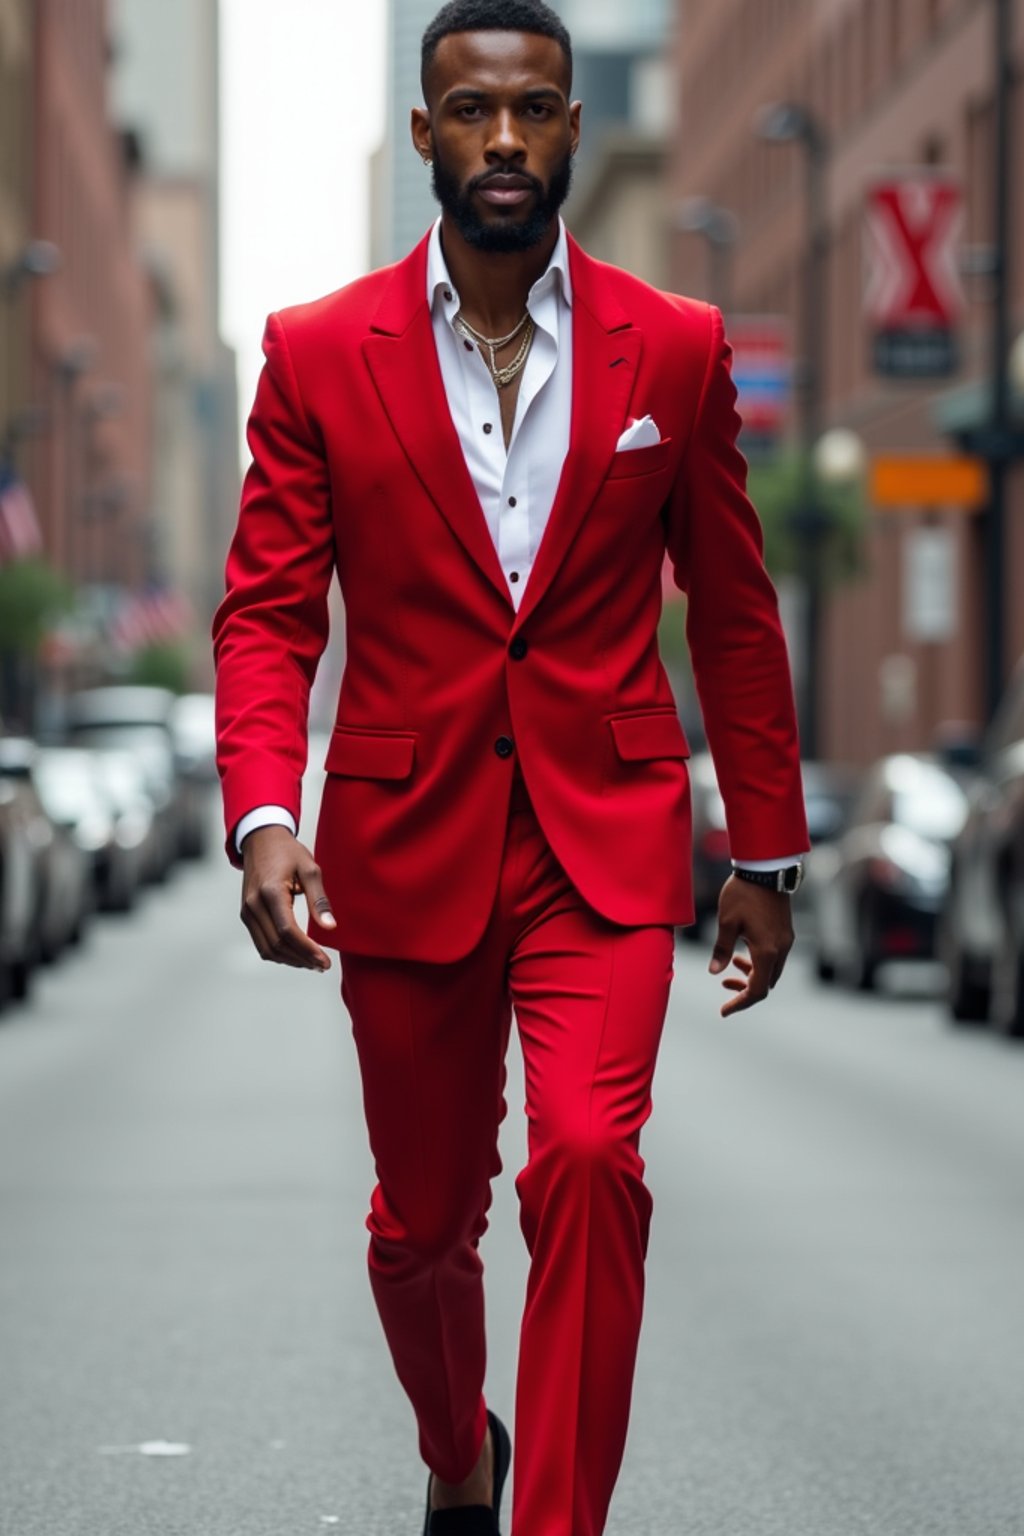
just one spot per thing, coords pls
(575, 114)
(419, 124)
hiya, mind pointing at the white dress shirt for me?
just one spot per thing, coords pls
(517, 485)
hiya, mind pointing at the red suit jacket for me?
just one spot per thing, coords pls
(357, 466)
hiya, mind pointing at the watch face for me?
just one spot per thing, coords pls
(791, 878)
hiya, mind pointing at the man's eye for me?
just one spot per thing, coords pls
(470, 111)
(538, 109)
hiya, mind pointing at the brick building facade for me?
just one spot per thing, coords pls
(91, 321)
(892, 84)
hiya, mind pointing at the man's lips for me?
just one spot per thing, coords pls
(505, 191)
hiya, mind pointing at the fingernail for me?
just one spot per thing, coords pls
(327, 921)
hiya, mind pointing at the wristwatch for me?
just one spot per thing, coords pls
(787, 880)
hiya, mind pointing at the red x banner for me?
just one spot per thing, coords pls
(913, 295)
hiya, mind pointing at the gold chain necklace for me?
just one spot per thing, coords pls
(502, 376)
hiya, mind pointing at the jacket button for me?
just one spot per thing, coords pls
(504, 746)
(518, 649)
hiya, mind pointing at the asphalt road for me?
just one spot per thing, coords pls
(834, 1341)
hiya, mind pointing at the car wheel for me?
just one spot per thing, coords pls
(20, 980)
(969, 999)
(824, 968)
(1008, 990)
(859, 972)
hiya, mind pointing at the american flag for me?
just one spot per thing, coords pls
(152, 617)
(20, 534)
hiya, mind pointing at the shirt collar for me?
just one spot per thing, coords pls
(555, 277)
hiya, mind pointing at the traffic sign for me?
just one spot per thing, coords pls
(913, 295)
(762, 372)
(912, 482)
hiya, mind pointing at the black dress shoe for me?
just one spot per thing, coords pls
(475, 1519)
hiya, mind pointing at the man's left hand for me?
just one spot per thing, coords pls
(762, 919)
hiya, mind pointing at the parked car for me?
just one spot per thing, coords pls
(193, 732)
(123, 782)
(712, 864)
(828, 794)
(137, 720)
(111, 835)
(19, 878)
(63, 888)
(878, 889)
(982, 928)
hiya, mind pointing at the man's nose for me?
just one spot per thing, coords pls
(506, 139)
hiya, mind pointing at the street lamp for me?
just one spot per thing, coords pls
(788, 122)
(840, 458)
(77, 359)
(720, 228)
(39, 258)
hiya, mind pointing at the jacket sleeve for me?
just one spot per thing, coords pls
(271, 628)
(737, 647)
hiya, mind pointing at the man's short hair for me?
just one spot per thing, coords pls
(493, 16)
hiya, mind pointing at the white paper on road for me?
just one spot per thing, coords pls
(147, 1448)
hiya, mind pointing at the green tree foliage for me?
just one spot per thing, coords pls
(165, 665)
(775, 487)
(32, 596)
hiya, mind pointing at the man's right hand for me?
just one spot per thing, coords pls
(276, 867)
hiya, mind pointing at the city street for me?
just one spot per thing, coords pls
(834, 1340)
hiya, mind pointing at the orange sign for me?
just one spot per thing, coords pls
(959, 483)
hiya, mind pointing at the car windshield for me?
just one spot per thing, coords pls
(926, 800)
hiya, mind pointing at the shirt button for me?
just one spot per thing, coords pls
(487, 427)
(468, 346)
(504, 746)
(513, 575)
(512, 501)
(518, 649)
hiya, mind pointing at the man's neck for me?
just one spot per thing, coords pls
(494, 286)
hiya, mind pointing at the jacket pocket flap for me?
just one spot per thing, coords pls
(630, 462)
(370, 754)
(642, 736)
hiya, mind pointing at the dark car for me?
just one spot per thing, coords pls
(63, 885)
(982, 930)
(19, 879)
(877, 890)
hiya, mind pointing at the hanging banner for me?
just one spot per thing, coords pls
(913, 295)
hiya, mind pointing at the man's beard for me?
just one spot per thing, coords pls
(508, 235)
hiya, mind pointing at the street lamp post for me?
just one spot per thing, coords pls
(720, 228)
(785, 123)
(1000, 450)
(76, 360)
(39, 258)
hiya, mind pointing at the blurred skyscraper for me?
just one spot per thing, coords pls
(166, 93)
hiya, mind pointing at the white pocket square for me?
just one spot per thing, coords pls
(639, 434)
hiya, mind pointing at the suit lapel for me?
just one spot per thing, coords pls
(402, 358)
(401, 355)
(606, 354)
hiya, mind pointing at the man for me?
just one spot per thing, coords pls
(494, 443)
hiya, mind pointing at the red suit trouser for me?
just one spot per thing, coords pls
(589, 1000)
